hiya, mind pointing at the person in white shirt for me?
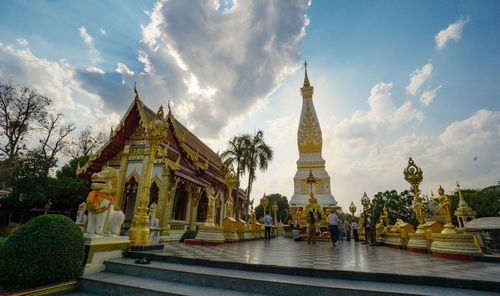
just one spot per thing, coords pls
(267, 226)
(355, 230)
(333, 221)
(296, 234)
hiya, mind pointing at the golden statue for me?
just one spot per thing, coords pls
(312, 200)
(385, 217)
(418, 211)
(210, 206)
(229, 208)
(445, 205)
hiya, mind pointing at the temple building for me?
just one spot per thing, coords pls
(184, 172)
(310, 142)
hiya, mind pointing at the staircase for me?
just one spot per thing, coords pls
(192, 277)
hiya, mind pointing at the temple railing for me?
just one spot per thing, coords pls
(178, 225)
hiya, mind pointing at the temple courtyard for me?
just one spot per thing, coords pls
(285, 267)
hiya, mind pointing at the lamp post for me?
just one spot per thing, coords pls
(413, 175)
(231, 181)
(352, 208)
(155, 131)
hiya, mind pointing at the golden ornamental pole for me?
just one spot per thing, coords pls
(231, 181)
(264, 201)
(275, 210)
(155, 132)
(352, 208)
(413, 175)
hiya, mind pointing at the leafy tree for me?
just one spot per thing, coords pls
(236, 155)
(398, 206)
(259, 155)
(283, 208)
(67, 191)
(20, 109)
(86, 142)
(29, 181)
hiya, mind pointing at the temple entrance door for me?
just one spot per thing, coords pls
(202, 208)
(153, 194)
(180, 200)
(218, 209)
(128, 205)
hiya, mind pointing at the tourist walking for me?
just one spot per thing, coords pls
(267, 229)
(355, 230)
(341, 230)
(311, 228)
(333, 222)
(347, 229)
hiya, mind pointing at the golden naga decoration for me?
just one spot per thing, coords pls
(445, 205)
(414, 175)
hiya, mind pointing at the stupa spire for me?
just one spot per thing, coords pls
(306, 79)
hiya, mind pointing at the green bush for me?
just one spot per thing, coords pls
(45, 250)
(189, 234)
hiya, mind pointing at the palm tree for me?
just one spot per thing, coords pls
(259, 154)
(236, 154)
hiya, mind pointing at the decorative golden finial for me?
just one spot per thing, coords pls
(306, 79)
(136, 93)
(169, 109)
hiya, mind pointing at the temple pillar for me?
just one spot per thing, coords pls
(122, 174)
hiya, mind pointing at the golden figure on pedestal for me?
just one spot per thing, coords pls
(413, 174)
(445, 205)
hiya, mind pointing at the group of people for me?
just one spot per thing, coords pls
(338, 228)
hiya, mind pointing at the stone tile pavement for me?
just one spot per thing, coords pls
(349, 256)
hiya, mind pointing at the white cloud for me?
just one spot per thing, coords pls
(418, 78)
(122, 69)
(102, 31)
(22, 41)
(95, 70)
(89, 40)
(86, 37)
(454, 31)
(208, 61)
(428, 96)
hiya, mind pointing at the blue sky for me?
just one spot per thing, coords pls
(246, 57)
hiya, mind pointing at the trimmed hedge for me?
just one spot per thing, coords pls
(45, 250)
(189, 234)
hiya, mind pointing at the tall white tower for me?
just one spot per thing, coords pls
(310, 143)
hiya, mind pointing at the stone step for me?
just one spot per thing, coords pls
(264, 283)
(437, 280)
(108, 283)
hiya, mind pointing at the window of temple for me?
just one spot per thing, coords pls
(128, 203)
(202, 208)
(153, 194)
(180, 199)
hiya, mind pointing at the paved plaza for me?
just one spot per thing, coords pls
(348, 256)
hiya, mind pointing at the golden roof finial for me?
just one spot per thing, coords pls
(136, 93)
(306, 79)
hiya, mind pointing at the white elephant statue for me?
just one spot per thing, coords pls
(104, 218)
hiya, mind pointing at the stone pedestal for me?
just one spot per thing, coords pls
(210, 235)
(381, 238)
(455, 245)
(418, 243)
(97, 250)
(395, 240)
